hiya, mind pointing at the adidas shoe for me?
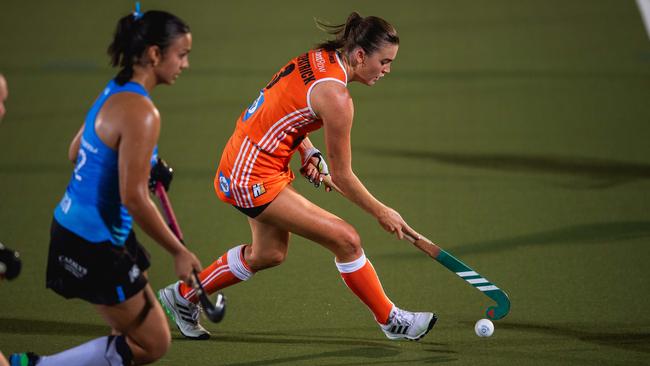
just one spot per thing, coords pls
(23, 359)
(183, 312)
(404, 324)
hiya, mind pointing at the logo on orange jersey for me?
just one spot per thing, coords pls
(258, 189)
(253, 107)
(224, 184)
(320, 61)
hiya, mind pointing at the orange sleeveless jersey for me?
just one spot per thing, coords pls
(254, 166)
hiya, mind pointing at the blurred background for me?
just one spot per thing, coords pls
(513, 133)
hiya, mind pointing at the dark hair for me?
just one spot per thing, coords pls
(133, 36)
(369, 33)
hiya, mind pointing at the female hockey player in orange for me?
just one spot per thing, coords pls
(308, 93)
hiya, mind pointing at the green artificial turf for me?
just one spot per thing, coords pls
(512, 133)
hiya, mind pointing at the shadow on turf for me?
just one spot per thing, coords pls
(604, 232)
(585, 234)
(370, 356)
(639, 342)
(601, 173)
(51, 327)
(375, 352)
(300, 338)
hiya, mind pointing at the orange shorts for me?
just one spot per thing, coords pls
(249, 177)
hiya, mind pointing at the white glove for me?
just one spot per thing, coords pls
(321, 166)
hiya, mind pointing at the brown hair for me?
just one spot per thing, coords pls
(369, 33)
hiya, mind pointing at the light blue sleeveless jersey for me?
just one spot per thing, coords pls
(91, 206)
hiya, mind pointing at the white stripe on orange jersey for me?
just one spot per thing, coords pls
(282, 133)
(295, 127)
(248, 168)
(232, 172)
(278, 126)
(281, 130)
(241, 156)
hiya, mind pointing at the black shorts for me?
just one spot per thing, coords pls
(100, 273)
(253, 212)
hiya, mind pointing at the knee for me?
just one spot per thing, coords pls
(155, 348)
(267, 259)
(348, 243)
(161, 346)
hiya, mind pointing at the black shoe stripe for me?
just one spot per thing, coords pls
(185, 313)
(188, 319)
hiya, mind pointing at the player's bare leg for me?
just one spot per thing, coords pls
(139, 336)
(143, 322)
(291, 212)
(269, 246)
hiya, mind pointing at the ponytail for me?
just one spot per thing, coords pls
(122, 50)
(135, 32)
(369, 33)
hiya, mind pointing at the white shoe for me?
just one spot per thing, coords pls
(183, 312)
(404, 324)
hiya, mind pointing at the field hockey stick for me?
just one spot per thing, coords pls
(453, 264)
(215, 312)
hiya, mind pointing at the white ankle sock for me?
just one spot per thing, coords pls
(108, 351)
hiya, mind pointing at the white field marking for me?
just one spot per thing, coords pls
(487, 288)
(477, 280)
(467, 274)
(644, 8)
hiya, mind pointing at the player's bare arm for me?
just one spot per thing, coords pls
(139, 132)
(73, 150)
(332, 103)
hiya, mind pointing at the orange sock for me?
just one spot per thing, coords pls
(360, 276)
(229, 269)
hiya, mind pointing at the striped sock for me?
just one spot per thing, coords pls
(360, 276)
(229, 269)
